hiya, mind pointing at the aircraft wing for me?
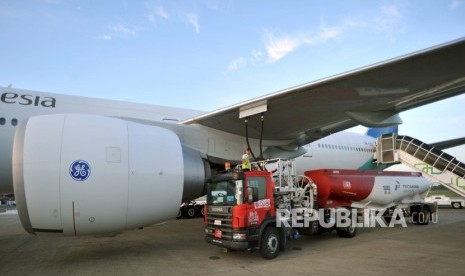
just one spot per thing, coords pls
(371, 96)
(449, 143)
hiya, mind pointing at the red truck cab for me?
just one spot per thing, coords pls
(240, 209)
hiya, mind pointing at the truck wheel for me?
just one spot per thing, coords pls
(270, 243)
(202, 211)
(190, 212)
(347, 232)
(423, 216)
(456, 205)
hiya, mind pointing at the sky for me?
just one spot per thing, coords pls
(210, 54)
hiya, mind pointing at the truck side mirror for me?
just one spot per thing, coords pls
(252, 194)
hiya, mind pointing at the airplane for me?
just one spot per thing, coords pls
(87, 166)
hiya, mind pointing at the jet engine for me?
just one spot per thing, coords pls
(84, 174)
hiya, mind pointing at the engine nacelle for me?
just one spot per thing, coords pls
(82, 174)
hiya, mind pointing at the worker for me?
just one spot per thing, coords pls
(246, 160)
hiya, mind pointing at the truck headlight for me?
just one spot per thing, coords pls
(239, 236)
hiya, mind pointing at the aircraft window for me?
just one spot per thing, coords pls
(14, 122)
(2, 121)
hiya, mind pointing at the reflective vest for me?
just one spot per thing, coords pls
(246, 162)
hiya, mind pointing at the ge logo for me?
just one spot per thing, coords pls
(79, 170)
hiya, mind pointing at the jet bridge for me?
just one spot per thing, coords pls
(435, 164)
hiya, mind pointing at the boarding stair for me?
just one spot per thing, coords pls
(435, 164)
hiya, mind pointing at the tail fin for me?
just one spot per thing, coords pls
(377, 132)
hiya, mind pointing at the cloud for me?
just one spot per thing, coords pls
(193, 19)
(279, 47)
(276, 47)
(237, 63)
(455, 4)
(218, 5)
(257, 55)
(391, 11)
(161, 13)
(156, 12)
(122, 30)
(389, 19)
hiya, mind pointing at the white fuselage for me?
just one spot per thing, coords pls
(343, 150)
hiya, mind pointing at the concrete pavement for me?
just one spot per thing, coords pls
(178, 248)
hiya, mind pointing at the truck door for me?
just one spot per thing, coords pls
(256, 211)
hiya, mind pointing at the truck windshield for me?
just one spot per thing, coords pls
(225, 193)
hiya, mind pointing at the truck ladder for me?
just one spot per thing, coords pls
(435, 164)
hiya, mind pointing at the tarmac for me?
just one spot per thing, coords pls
(178, 248)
